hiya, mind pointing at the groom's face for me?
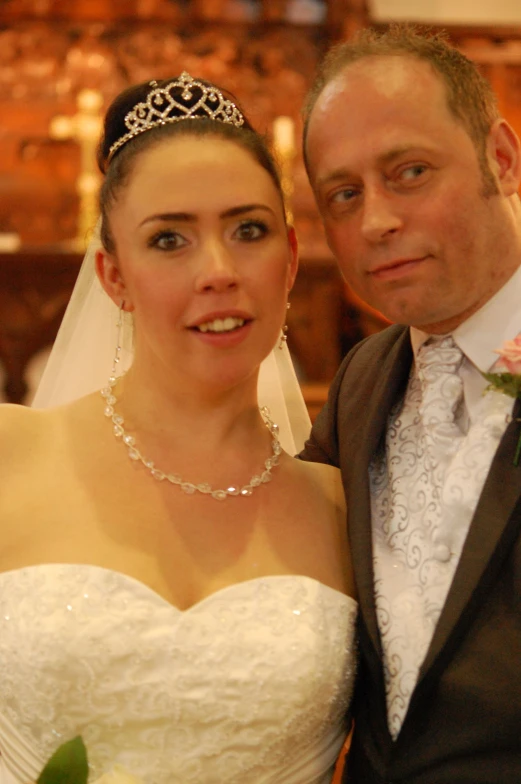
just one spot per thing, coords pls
(407, 214)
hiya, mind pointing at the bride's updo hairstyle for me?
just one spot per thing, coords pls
(147, 113)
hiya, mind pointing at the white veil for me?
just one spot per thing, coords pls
(81, 358)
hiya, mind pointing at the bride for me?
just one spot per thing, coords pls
(174, 586)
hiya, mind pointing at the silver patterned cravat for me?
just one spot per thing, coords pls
(437, 365)
(413, 549)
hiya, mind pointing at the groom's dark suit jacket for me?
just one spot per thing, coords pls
(463, 725)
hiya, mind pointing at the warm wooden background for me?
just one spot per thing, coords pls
(264, 51)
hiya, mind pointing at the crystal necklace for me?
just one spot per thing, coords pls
(188, 487)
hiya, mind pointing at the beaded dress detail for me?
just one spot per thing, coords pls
(250, 685)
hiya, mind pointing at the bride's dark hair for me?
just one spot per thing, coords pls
(118, 167)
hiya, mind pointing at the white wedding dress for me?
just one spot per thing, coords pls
(250, 685)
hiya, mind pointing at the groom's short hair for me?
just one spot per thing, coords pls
(470, 97)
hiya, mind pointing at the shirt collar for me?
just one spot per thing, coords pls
(498, 320)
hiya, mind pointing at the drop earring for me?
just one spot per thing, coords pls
(115, 361)
(284, 332)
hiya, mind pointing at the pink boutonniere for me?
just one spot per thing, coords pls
(506, 376)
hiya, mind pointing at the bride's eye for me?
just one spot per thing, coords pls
(251, 230)
(167, 240)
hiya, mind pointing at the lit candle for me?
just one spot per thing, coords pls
(10, 242)
(284, 135)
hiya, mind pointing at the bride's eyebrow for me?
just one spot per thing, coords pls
(185, 217)
(244, 208)
(188, 217)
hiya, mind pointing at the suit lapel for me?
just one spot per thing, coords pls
(486, 544)
(376, 394)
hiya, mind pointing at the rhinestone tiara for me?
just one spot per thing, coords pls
(197, 101)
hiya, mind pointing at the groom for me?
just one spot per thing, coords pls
(416, 178)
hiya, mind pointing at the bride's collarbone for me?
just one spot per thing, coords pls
(81, 452)
(77, 518)
(96, 485)
(90, 503)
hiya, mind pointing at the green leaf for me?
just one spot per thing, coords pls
(504, 382)
(68, 765)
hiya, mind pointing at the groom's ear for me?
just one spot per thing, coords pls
(109, 275)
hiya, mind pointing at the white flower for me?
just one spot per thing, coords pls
(118, 775)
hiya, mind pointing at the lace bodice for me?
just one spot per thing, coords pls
(249, 685)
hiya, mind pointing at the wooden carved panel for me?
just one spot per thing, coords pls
(178, 11)
(500, 62)
(44, 66)
(35, 287)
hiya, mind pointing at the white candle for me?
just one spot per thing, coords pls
(10, 242)
(284, 135)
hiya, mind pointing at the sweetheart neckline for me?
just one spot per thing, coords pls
(193, 607)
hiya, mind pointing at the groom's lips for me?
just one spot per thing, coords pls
(397, 268)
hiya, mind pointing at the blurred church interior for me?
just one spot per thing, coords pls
(61, 63)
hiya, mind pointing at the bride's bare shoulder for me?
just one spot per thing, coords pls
(326, 477)
(21, 426)
(17, 419)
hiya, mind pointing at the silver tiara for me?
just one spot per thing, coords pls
(201, 101)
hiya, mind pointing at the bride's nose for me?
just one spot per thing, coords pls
(217, 269)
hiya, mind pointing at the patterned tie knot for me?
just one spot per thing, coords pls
(438, 357)
(437, 365)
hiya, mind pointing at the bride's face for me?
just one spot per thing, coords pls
(203, 259)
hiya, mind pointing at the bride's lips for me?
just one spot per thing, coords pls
(224, 339)
(397, 268)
